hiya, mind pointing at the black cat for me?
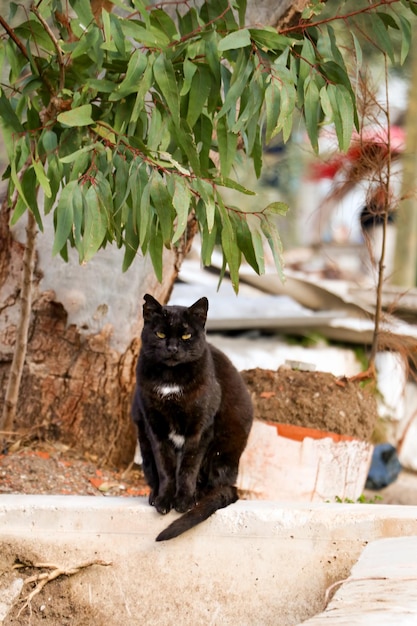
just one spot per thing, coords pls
(193, 414)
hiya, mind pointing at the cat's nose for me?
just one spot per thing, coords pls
(172, 348)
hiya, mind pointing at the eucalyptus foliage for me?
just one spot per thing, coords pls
(131, 121)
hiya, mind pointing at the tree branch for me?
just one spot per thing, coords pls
(19, 355)
(13, 36)
(54, 40)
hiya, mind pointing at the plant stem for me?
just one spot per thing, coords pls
(19, 355)
(378, 303)
(381, 263)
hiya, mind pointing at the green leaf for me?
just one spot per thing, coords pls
(206, 193)
(64, 215)
(286, 116)
(387, 19)
(358, 51)
(42, 177)
(336, 74)
(232, 184)
(142, 89)
(203, 133)
(181, 200)
(155, 251)
(208, 243)
(83, 11)
(307, 62)
(150, 36)
(146, 214)
(272, 106)
(55, 177)
(257, 242)
(250, 106)
(227, 143)
(166, 160)
(312, 111)
(189, 70)
(241, 8)
(49, 141)
(33, 31)
(277, 208)
(185, 141)
(381, 38)
(101, 85)
(250, 241)
(162, 21)
(73, 156)
(117, 34)
(269, 39)
(237, 39)
(80, 116)
(135, 69)
(8, 117)
(343, 114)
(131, 243)
(406, 35)
(95, 223)
(230, 248)
(201, 86)
(19, 210)
(328, 47)
(161, 200)
(280, 100)
(326, 104)
(270, 231)
(255, 140)
(80, 165)
(104, 194)
(30, 189)
(239, 82)
(165, 78)
(154, 129)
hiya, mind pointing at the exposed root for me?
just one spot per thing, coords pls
(369, 374)
(43, 578)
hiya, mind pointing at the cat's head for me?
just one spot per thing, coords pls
(174, 334)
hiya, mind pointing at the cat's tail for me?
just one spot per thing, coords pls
(218, 498)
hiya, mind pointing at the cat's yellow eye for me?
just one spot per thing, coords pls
(160, 335)
(186, 336)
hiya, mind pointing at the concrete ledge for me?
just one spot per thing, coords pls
(253, 563)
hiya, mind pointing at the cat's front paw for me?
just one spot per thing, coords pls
(184, 502)
(152, 497)
(163, 504)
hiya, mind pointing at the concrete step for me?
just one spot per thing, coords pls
(381, 588)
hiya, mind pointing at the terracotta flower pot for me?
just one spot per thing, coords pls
(286, 462)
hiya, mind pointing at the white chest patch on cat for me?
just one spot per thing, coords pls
(177, 440)
(169, 390)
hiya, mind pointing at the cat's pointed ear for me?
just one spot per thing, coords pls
(151, 306)
(200, 309)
